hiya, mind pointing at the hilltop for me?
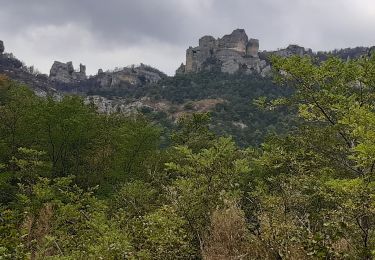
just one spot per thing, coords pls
(223, 76)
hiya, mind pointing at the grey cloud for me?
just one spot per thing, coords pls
(114, 21)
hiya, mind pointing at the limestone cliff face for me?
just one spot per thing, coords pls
(231, 53)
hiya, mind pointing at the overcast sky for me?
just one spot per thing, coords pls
(109, 33)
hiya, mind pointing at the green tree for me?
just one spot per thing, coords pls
(137, 145)
(163, 235)
(67, 128)
(204, 180)
(18, 117)
(194, 131)
(314, 188)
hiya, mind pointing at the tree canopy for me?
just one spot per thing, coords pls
(75, 184)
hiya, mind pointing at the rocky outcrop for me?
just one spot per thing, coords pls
(65, 73)
(252, 48)
(236, 52)
(126, 77)
(108, 83)
(65, 78)
(292, 50)
(1, 47)
(15, 69)
(181, 69)
(230, 54)
(236, 41)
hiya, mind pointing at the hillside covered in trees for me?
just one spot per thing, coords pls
(76, 184)
(232, 101)
(232, 97)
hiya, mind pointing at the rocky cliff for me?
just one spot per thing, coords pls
(236, 52)
(63, 77)
(291, 50)
(65, 73)
(15, 69)
(231, 53)
(129, 76)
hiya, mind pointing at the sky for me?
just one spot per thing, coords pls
(116, 33)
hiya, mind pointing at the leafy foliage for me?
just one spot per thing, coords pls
(75, 184)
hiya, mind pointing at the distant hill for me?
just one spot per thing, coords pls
(221, 76)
